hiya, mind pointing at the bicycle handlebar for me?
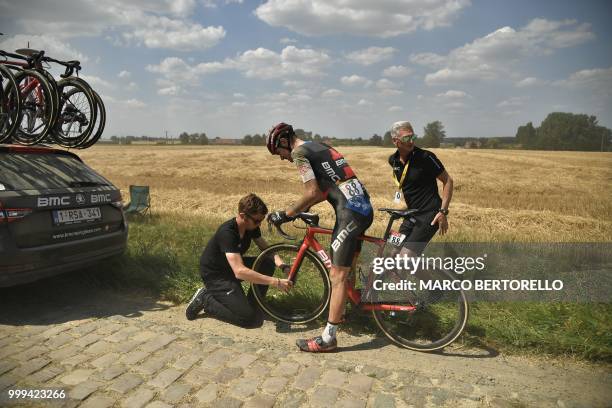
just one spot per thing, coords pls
(308, 218)
(70, 66)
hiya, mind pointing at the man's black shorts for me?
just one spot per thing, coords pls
(418, 231)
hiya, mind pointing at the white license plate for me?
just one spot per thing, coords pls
(76, 215)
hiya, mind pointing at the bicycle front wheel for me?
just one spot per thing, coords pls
(308, 297)
(437, 319)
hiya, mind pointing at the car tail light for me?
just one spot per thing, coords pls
(119, 203)
(13, 214)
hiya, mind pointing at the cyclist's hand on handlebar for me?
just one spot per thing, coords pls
(279, 217)
(284, 284)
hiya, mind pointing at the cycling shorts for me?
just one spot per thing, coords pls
(349, 225)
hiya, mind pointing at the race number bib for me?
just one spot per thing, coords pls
(356, 199)
(396, 238)
(351, 188)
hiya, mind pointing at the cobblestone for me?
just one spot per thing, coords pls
(139, 398)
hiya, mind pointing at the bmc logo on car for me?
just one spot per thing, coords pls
(100, 198)
(53, 201)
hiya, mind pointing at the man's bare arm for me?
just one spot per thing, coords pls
(312, 195)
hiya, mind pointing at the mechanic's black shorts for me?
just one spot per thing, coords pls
(344, 243)
(418, 231)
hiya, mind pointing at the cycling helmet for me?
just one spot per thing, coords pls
(278, 133)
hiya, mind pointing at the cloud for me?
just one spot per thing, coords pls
(171, 90)
(395, 109)
(332, 93)
(429, 59)
(291, 61)
(452, 94)
(397, 71)
(371, 55)
(529, 82)
(513, 102)
(495, 54)
(387, 84)
(379, 19)
(599, 79)
(153, 24)
(54, 47)
(239, 95)
(124, 74)
(355, 80)
(134, 103)
(364, 102)
(286, 40)
(96, 82)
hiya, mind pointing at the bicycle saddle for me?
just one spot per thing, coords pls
(398, 213)
(28, 52)
(309, 218)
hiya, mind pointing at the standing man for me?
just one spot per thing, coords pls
(415, 172)
(223, 267)
(326, 176)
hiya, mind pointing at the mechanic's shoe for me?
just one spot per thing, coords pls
(316, 345)
(196, 304)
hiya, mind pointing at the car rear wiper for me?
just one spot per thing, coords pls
(85, 183)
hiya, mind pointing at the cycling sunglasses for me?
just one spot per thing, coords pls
(407, 138)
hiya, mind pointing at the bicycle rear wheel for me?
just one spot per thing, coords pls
(439, 318)
(10, 103)
(77, 113)
(308, 297)
(99, 125)
(38, 109)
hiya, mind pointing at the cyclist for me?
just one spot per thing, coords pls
(326, 176)
(415, 172)
(223, 267)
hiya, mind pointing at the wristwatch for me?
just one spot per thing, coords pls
(443, 211)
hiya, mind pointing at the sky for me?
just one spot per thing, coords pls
(343, 68)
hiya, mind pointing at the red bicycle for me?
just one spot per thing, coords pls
(417, 319)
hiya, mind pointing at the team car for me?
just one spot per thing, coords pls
(56, 214)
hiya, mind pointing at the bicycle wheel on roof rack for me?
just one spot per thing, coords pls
(98, 126)
(38, 110)
(77, 112)
(10, 103)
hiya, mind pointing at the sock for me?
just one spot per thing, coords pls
(329, 333)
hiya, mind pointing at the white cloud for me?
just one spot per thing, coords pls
(239, 95)
(355, 80)
(134, 103)
(332, 93)
(529, 82)
(397, 71)
(371, 55)
(429, 59)
(599, 79)
(495, 54)
(54, 47)
(364, 102)
(292, 61)
(286, 40)
(154, 23)
(370, 18)
(171, 90)
(513, 102)
(124, 74)
(453, 94)
(386, 84)
(97, 82)
(395, 109)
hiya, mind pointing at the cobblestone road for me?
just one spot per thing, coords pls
(132, 359)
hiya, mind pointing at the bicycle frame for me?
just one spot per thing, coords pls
(354, 294)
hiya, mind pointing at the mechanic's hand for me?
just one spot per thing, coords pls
(279, 217)
(442, 222)
(284, 284)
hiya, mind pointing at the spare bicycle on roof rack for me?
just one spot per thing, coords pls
(37, 109)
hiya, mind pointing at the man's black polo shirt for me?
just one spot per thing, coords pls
(213, 262)
(419, 188)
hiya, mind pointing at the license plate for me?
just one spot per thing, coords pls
(76, 215)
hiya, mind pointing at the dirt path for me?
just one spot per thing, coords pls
(108, 350)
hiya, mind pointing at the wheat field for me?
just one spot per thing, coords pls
(499, 195)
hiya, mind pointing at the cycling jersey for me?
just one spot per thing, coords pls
(343, 190)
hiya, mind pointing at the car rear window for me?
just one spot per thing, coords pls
(31, 171)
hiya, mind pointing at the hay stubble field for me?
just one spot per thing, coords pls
(500, 195)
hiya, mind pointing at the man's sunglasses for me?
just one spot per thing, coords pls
(257, 221)
(407, 138)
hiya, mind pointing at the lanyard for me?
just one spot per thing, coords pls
(400, 182)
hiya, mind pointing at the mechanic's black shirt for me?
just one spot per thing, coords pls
(213, 262)
(419, 188)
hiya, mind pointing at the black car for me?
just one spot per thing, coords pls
(56, 214)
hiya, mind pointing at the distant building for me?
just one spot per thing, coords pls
(226, 142)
